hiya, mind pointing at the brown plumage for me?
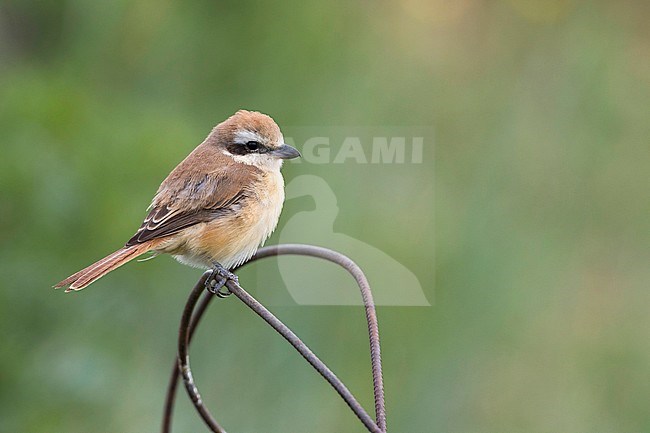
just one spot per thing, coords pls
(218, 205)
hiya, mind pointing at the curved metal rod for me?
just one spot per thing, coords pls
(368, 303)
(184, 356)
(187, 330)
(173, 380)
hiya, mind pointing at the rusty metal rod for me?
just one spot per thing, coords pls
(189, 323)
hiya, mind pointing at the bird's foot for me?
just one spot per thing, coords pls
(216, 283)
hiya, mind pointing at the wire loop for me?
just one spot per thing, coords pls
(192, 315)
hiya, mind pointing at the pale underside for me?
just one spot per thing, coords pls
(234, 237)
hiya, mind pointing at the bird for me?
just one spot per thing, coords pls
(216, 208)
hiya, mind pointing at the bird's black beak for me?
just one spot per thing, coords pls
(285, 152)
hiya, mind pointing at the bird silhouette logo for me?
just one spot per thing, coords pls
(317, 284)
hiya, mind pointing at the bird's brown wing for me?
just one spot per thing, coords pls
(165, 221)
(181, 203)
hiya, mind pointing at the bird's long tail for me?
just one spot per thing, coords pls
(102, 267)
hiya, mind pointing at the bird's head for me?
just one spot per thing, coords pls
(253, 138)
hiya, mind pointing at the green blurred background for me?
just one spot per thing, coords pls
(539, 281)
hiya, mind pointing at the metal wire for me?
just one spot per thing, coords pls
(190, 321)
(173, 382)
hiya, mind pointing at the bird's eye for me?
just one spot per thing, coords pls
(252, 146)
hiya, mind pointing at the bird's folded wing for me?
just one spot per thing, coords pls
(195, 201)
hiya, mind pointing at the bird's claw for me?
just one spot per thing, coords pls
(216, 283)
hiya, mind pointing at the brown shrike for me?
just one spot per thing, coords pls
(216, 207)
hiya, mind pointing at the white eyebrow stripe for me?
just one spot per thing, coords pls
(244, 136)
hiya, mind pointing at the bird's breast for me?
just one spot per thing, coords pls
(233, 238)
